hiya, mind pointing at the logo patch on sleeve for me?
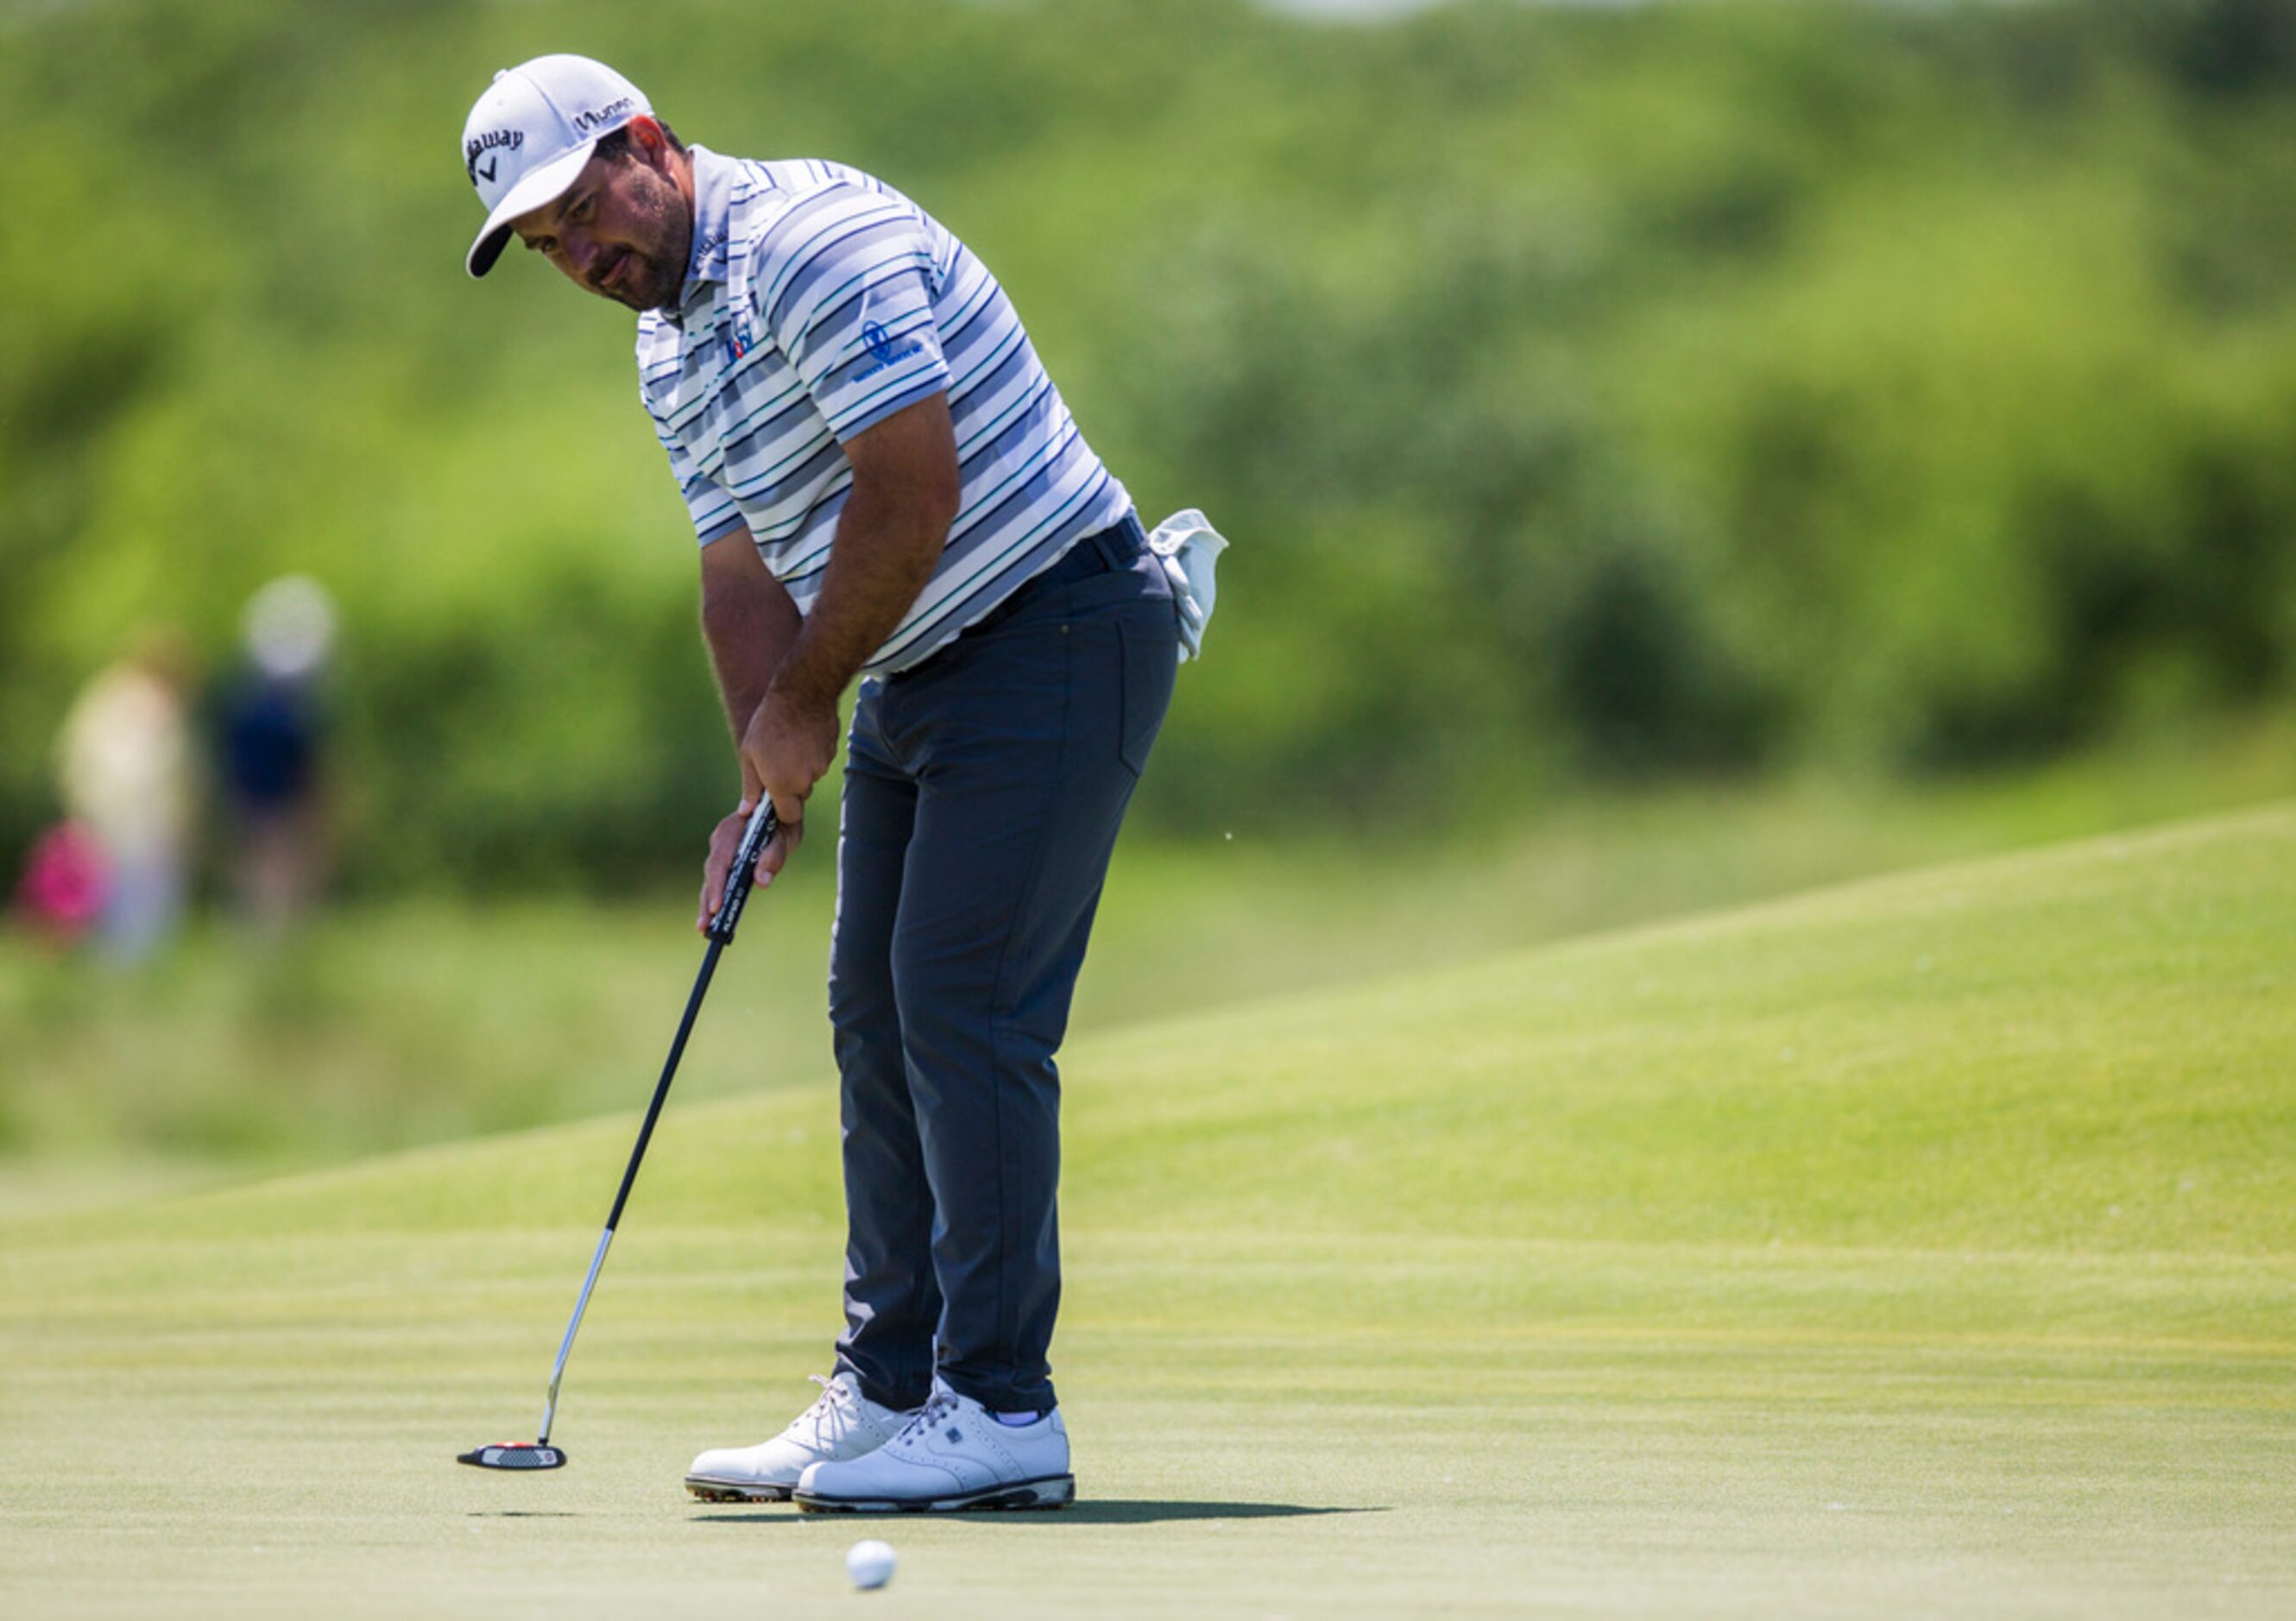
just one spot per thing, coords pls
(884, 350)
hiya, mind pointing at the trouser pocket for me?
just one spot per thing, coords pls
(1150, 660)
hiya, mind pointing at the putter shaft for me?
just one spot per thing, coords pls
(759, 832)
(566, 1346)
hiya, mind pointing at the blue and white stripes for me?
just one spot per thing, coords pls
(821, 301)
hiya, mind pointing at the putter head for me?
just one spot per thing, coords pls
(514, 1454)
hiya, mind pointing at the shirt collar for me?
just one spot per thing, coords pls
(713, 208)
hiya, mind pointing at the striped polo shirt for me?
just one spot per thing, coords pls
(819, 301)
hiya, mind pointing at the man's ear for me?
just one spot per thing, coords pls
(647, 138)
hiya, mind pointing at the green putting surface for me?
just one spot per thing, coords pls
(1922, 1247)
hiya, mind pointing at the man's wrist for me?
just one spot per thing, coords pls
(803, 689)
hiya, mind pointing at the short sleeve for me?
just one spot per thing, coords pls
(848, 299)
(713, 508)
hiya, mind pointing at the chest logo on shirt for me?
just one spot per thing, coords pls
(740, 334)
(738, 340)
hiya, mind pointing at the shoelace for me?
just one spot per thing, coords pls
(835, 1403)
(940, 1405)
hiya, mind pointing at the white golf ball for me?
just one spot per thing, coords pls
(870, 1563)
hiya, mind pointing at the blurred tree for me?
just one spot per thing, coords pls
(1670, 389)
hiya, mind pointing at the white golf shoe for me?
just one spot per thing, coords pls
(954, 1453)
(842, 1424)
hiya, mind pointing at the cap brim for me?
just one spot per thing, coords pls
(536, 187)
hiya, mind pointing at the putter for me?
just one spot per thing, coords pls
(539, 1453)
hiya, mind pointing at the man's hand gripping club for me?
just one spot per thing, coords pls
(787, 748)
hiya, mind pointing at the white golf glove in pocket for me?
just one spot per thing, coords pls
(1189, 547)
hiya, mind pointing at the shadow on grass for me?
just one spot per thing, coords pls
(1102, 1511)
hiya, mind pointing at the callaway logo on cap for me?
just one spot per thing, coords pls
(531, 134)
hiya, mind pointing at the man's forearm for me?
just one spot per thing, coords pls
(749, 633)
(886, 546)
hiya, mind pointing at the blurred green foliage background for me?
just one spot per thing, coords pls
(1592, 394)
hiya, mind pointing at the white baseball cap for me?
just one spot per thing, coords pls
(530, 135)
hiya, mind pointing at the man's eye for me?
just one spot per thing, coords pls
(582, 210)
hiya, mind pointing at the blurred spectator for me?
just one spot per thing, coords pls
(124, 762)
(270, 728)
(60, 895)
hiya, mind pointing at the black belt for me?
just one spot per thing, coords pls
(1117, 547)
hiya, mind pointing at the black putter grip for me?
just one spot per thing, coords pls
(763, 825)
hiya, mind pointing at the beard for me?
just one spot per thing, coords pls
(645, 280)
(650, 272)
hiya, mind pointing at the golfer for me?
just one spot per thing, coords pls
(883, 483)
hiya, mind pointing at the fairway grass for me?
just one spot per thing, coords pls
(1921, 1247)
(388, 1024)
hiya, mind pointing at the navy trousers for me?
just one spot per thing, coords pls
(983, 791)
